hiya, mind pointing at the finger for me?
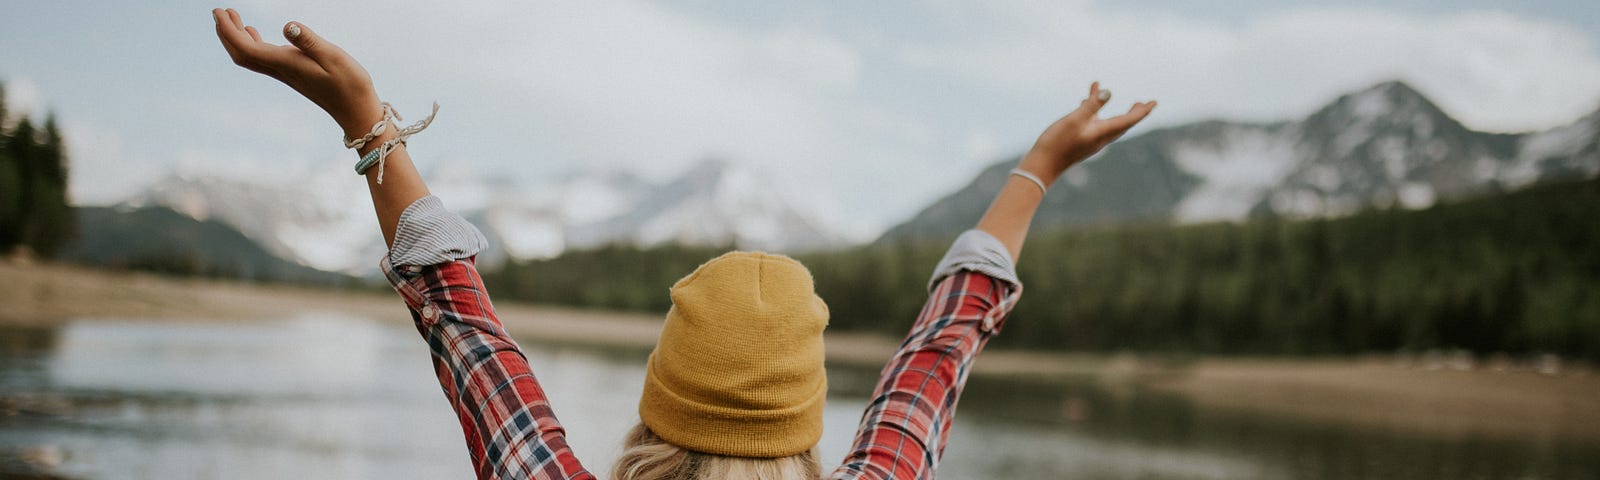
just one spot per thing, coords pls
(254, 55)
(236, 36)
(325, 53)
(1095, 101)
(233, 16)
(258, 50)
(1118, 125)
(1091, 105)
(232, 40)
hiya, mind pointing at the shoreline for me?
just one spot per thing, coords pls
(1377, 392)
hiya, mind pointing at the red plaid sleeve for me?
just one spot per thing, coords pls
(907, 422)
(510, 429)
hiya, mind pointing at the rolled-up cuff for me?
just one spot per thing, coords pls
(428, 234)
(977, 251)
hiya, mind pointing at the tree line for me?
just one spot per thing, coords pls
(1517, 273)
(34, 210)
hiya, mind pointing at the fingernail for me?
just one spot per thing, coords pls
(1105, 95)
(293, 31)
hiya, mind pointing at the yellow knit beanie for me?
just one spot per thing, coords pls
(738, 368)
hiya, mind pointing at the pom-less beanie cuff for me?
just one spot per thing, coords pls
(729, 431)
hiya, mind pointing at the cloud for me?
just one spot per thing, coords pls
(103, 170)
(22, 98)
(874, 119)
(1492, 70)
(552, 86)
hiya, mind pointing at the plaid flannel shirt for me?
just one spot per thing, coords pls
(512, 433)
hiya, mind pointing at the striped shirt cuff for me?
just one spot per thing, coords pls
(977, 251)
(428, 234)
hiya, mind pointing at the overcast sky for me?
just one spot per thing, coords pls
(871, 108)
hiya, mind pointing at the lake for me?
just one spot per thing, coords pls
(334, 396)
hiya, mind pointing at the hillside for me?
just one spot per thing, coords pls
(1511, 273)
(162, 240)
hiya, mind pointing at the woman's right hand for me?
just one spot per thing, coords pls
(311, 65)
(1080, 134)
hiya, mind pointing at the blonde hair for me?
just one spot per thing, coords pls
(646, 456)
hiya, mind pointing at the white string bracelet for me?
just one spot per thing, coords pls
(1036, 181)
(377, 128)
(381, 154)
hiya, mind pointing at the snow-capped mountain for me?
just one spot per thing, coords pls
(715, 203)
(1387, 145)
(318, 221)
(326, 222)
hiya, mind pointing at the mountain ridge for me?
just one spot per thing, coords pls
(1381, 146)
(161, 239)
(321, 222)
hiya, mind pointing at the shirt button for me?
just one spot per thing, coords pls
(429, 312)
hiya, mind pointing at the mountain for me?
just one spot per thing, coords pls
(317, 220)
(1384, 146)
(325, 221)
(158, 238)
(715, 203)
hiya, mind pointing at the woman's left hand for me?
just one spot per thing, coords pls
(311, 65)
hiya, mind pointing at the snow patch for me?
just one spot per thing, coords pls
(1535, 148)
(1415, 195)
(1235, 173)
(593, 198)
(1391, 150)
(1371, 104)
(527, 234)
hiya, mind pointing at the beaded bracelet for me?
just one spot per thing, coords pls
(367, 161)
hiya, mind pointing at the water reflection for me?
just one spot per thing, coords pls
(328, 396)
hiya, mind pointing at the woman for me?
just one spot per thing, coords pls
(735, 386)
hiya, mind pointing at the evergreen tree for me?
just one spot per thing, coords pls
(33, 185)
(53, 221)
(10, 186)
(19, 147)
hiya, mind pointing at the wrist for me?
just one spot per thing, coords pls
(1042, 164)
(357, 117)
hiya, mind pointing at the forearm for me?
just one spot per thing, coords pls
(1011, 213)
(402, 184)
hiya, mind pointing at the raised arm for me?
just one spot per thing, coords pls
(335, 81)
(904, 429)
(510, 430)
(1066, 142)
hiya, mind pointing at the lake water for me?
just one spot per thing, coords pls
(329, 396)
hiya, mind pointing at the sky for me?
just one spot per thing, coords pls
(869, 110)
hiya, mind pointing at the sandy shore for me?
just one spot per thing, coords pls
(1368, 393)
